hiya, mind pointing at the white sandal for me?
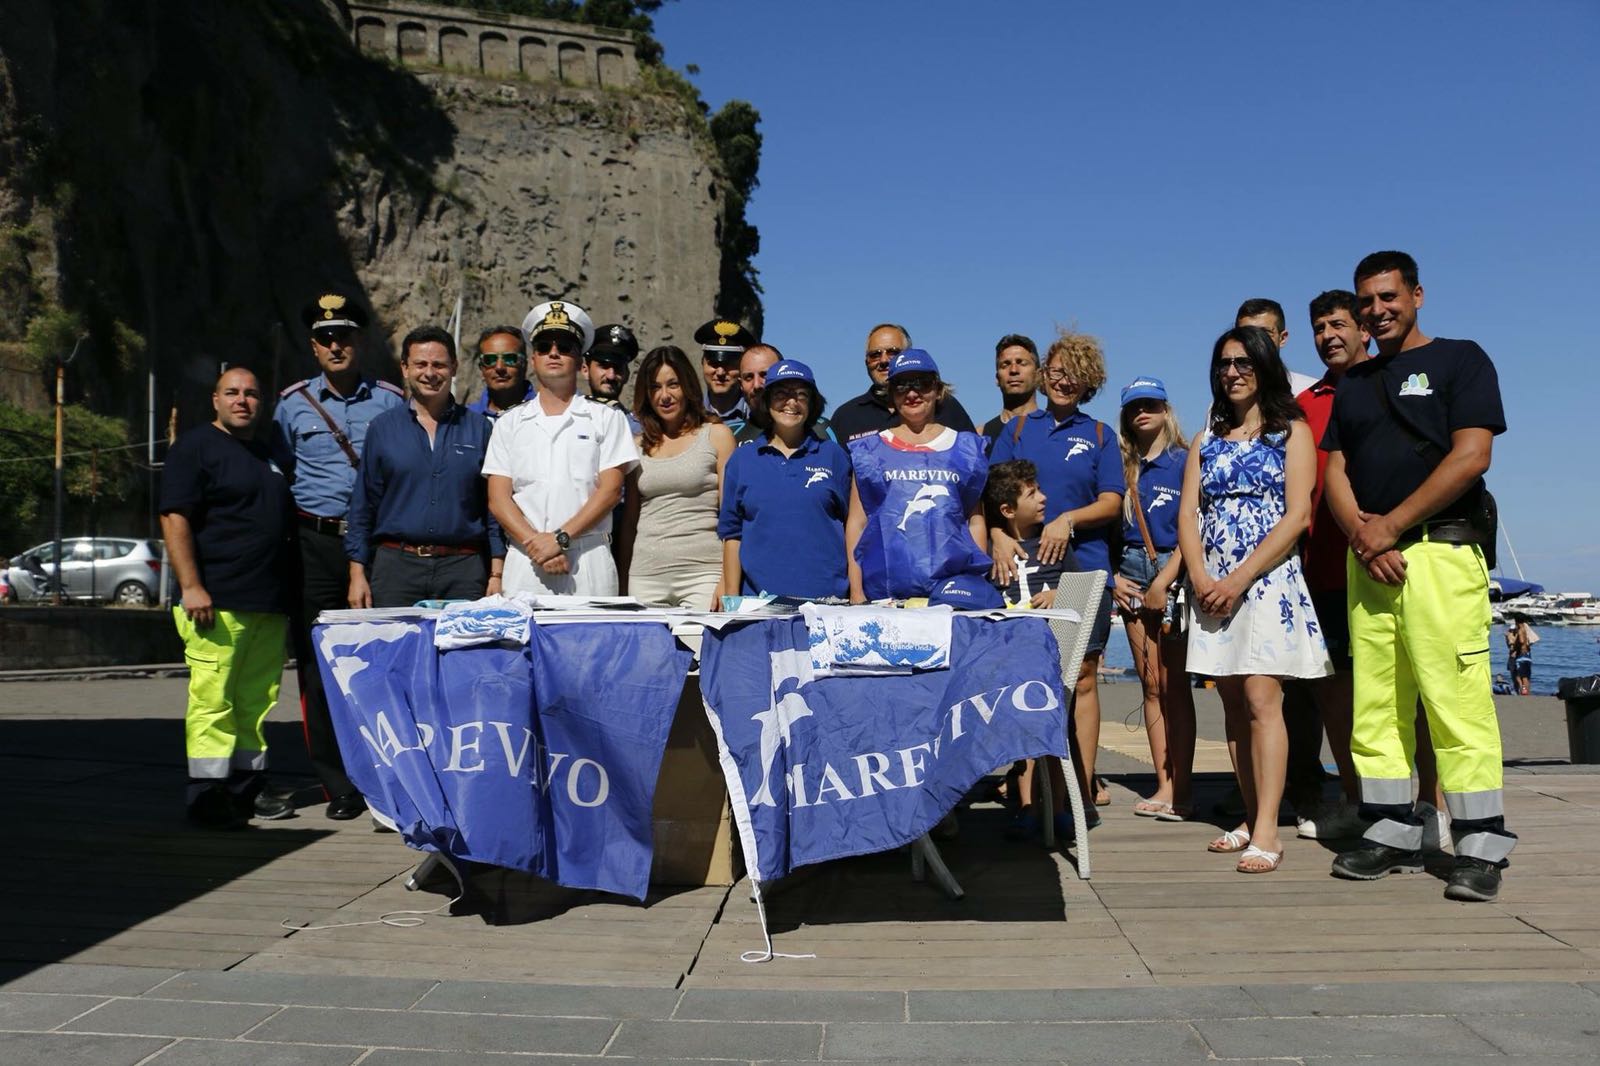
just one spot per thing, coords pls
(1230, 841)
(1273, 859)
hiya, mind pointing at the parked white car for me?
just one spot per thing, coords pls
(124, 570)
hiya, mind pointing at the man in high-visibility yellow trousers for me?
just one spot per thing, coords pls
(227, 515)
(1409, 442)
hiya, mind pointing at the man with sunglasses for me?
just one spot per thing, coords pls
(555, 466)
(872, 412)
(319, 430)
(722, 344)
(503, 361)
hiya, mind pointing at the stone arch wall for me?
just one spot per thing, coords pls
(421, 34)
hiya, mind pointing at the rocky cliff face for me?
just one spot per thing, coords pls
(182, 175)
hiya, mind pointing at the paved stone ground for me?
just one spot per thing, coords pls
(127, 938)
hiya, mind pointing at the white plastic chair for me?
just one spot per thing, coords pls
(1079, 592)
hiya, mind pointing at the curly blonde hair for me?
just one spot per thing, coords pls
(1081, 356)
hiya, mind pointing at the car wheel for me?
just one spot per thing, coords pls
(132, 594)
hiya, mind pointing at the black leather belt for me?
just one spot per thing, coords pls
(1449, 531)
(333, 526)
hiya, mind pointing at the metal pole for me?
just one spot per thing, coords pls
(61, 378)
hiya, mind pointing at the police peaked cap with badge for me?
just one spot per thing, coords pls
(560, 316)
(333, 309)
(615, 345)
(720, 339)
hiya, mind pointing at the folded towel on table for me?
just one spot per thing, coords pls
(484, 621)
(877, 640)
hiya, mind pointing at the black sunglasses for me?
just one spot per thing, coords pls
(563, 344)
(1243, 365)
(330, 334)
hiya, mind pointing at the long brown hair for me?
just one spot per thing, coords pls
(652, 432)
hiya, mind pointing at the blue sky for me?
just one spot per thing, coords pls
(1138, 169)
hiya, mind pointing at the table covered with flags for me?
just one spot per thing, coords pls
(534, 742)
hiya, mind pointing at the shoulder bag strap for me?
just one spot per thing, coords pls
(333, 427)
(1144, 528)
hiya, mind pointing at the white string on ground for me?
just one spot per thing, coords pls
(769, 954)
(394, 919)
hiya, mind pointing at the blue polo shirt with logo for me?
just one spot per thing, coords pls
(1160, 486)
(788, 512)
(1078, 459)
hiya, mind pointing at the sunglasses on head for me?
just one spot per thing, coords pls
(489, 359)
(560, 342)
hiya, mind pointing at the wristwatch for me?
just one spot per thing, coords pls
(563, 540)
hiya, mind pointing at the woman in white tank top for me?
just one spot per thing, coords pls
(668, 551)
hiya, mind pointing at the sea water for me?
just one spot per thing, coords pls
(1562, 651)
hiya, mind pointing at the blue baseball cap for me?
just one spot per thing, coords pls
(1144, 389)
(790, 370)
(913, 361)
(967, 591)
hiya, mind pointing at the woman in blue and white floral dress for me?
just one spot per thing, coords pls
(1246, 501)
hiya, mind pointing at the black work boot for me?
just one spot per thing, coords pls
(1372, 861)
(213, 808)
(1474, 880)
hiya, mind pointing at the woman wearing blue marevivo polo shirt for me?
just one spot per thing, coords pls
(916, 502)
(785, 496)
(1080, 473)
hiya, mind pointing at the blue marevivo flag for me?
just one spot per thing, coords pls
(822, 768)
(540, 758)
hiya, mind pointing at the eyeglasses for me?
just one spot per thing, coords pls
(489, 359)
(560, 343)
(333, 334)
(1242, 365)
(882, 355)
(1056, 377)
(917, 382)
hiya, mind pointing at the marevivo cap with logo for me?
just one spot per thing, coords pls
(913, 361)
(332, 309)
(559, 316)
(1144, 389)
(967, 591)
(790, 370)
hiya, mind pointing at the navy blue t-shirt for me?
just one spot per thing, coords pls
(1438, 388)
(1160, 486)
(788, 512)
(241, 513)
(1078, 459)
(1040, 576)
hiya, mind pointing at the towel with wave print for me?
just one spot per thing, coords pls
(848, 641)
(490, 620)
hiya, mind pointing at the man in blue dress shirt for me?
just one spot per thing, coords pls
(318, 432)
(419, 526)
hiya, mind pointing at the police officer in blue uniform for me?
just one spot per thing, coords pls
(318, 432)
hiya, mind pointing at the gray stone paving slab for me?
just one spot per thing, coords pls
(161, 1017)
(1003, 1042)
(1576, 1034)
(39, 1010)
(1451, 1060)
(572, 1001)
(82, 980)
(436, 1031)
(72, 1049)
(301, 990)
(1425, 997)
(1083, 1004)
(758, 1005)
(388, 1057)
(247, 1053)
(1381, 1036)
(725, 1040)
